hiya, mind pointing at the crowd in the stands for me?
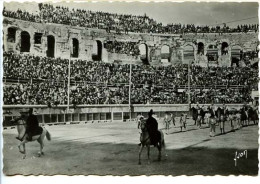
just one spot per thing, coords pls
(45, 81)
(119, 23)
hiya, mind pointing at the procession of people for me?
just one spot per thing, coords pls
(212, 116)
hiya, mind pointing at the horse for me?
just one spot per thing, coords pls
(146, 141)
(252, 115)
(244, 116)
(22, 136)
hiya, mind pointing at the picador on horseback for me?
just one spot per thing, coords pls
(152, 127)
(29, 130)
(32, 125)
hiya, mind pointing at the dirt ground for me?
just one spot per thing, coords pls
(112, 149)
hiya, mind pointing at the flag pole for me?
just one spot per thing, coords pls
(189, 85)
(129, 95)
(68, 102)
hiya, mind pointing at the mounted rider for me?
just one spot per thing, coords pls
(32, 125)
(152, 127)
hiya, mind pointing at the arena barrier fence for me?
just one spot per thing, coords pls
(96, 113)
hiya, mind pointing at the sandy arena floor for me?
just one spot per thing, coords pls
(111, 149)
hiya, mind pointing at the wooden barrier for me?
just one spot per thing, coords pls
(89, 113)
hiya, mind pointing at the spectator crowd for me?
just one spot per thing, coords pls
(116, 22)
(129, 48)
(45, 81)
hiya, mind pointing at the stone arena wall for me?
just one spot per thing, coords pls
(182, 48)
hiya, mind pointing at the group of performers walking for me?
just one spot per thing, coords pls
(213, 116)
(219, 116)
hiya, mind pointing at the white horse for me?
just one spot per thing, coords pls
(145, 141)
(22, 136)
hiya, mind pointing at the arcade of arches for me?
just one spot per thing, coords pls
(147, 52)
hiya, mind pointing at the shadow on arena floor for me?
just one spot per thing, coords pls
(74, 158)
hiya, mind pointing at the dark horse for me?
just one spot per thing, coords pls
(252, 115)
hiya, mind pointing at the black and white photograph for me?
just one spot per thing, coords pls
(130, 89)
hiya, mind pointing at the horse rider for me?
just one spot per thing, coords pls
(152, 127)
(212, 120)
(32, 125)
(224, 114)
(253, 113)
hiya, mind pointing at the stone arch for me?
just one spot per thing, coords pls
(11, 34)
(188, 51)
(200, 48)
(143, 48)
(212, 52)
(25, 42)
(165, 53)
(97, 50)
(224, 48)
(236, 51)
(50, 46)
(75, 48)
